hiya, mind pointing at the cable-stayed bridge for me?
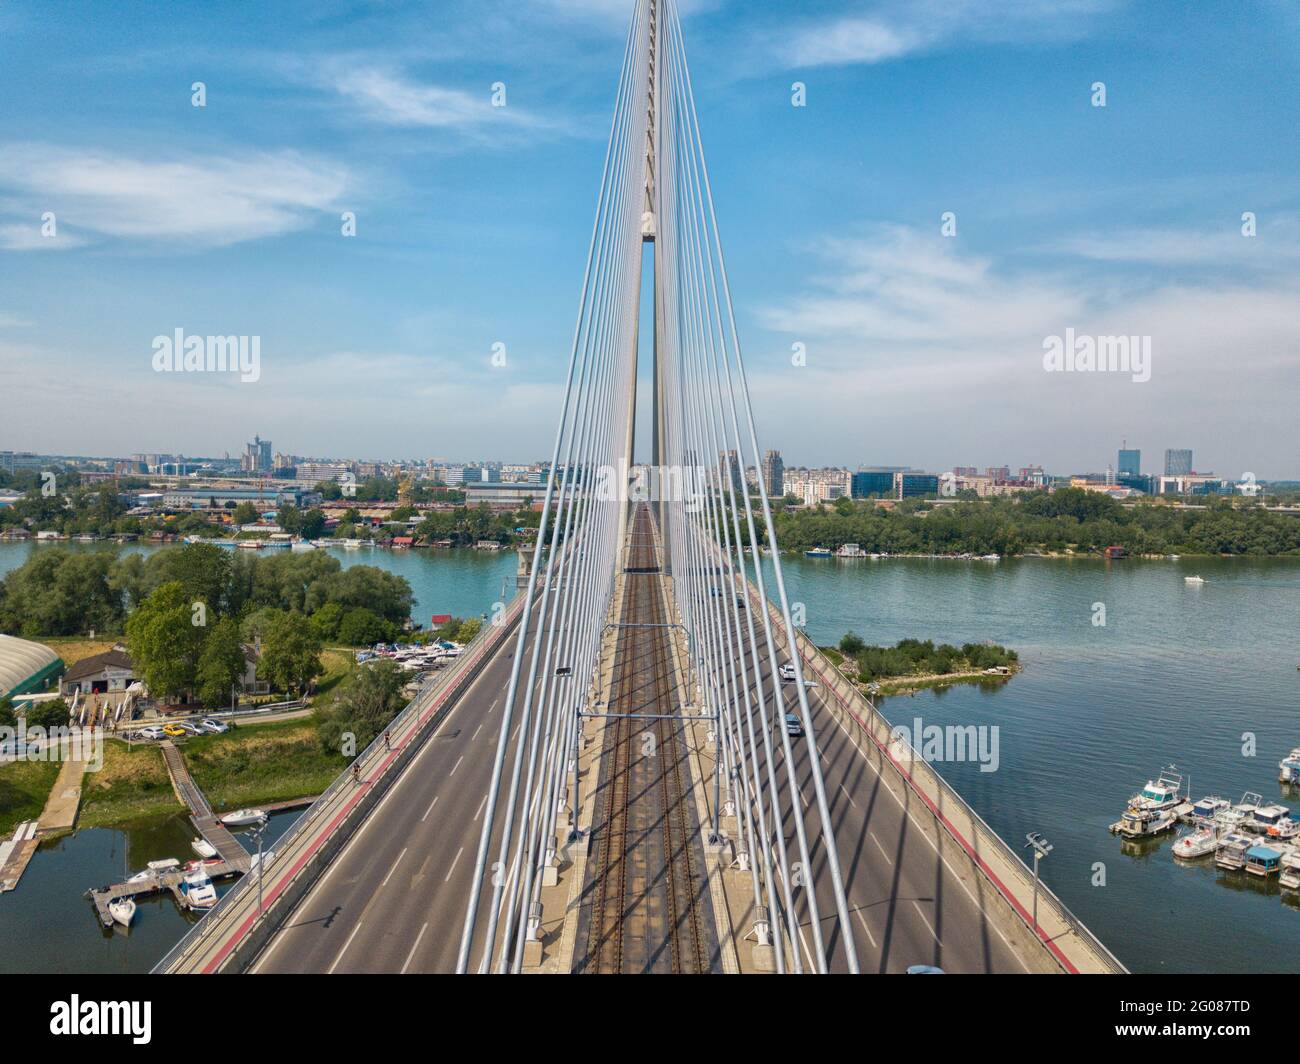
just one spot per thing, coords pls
(645, 767)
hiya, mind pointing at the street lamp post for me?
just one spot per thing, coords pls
(257, 834)
(1041, 848)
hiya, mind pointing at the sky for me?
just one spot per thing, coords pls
(925, 342)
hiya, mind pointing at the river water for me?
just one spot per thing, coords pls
(1203, 677)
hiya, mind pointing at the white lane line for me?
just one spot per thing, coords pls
(482, 802)
(407, 963)
(447, 877)
(921, 913)
(394, 868)
(883, 852)
(476, 731)
(863, 921)
(494, 703)
(455, 766)
(344, 950)
(429, 810)
(848, 796)
(979, 908)
(372, 817)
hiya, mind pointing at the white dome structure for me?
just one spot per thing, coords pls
(26, 667)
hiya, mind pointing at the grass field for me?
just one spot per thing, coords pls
(24, 786)
(73, 648)
(258, 763)
(133, 784)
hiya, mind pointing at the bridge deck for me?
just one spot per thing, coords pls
(645, 905)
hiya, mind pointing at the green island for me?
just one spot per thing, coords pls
(914, 664)
(1069, 520)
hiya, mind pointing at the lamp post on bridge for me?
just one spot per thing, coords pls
(257, 833)
(1041, 848)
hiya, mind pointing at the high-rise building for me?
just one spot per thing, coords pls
(1178, 462)
(257, 456)
(731, 462)
(773, 474)
(1130, 461)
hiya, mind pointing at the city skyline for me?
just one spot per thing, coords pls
(1068, 218)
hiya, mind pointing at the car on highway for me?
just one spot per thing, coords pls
(151, 732)
(175, 731)
(924, 969)
(792, 725)
(786, 672)
(215, 727)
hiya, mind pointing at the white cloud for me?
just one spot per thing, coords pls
(205, 201)
(911, 340)
(1276, 243)
(29, 238)
(891, 29)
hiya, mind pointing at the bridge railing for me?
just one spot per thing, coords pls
(1011, 877)
(343, 785)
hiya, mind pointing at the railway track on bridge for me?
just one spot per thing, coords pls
(648, 906)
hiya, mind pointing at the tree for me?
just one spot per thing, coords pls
(221, 664)
(851, 645)
(313, 524)
(325, 621)
(245, 514)
(290, 653)
(289, 519)
(363, 706)
(361, 627)
(47, 715)
(165, 642)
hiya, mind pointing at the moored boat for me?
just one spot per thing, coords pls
(1200, 842)
(1231, 851)
(1263, 861)
(1289, 767)
(122, 910)
(203, 848)
(243, 817)
(197, 891)
(817, 552)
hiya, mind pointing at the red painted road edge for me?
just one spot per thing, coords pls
(951, 828)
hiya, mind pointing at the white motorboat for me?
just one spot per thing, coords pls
(122, 910)
(1199, 842)
(197, 890)
(1210, 807)
(1164, 792)
(143, 877)
(1274, 821)
(1289, 767)
(1196, 581)
(243, 817)
(1146, 823)
(1290, 878)
(203, 848)
(167, 864)
(1244, 810)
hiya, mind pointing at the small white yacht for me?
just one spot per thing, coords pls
(1273, 820)
(1210, 807)
(1195, 581)
(1198, 842)
(1245, 809)
(167, 864)
(203, 848)
(1164, 792)
(122, 910)
(197, 889)
(1145, 823)
(243, 817)
(1289, 767)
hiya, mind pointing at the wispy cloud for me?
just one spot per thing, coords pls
(205, 200)
(891, 29)
(19, 237)
(1276, 243)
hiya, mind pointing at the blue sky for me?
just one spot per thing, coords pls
(473, 220)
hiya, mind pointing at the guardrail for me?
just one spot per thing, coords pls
(948, 806)
(338, 808)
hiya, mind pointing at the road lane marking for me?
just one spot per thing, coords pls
(883, 852)
(863, 921)
(344, 949)
(848, 796)
(394, 868)
(454, 861)
(481, 803)
(429, 810)
(476, 731)
(407, 963)
(921, 913)
(455, 766)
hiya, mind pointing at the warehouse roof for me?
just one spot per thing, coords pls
(26, 666)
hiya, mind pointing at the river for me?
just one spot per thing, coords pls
(1178, 674)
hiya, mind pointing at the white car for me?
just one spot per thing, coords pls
(151, 732)
(214, 726)
(786, 672)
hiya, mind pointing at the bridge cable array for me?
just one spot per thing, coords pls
(655, 185)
